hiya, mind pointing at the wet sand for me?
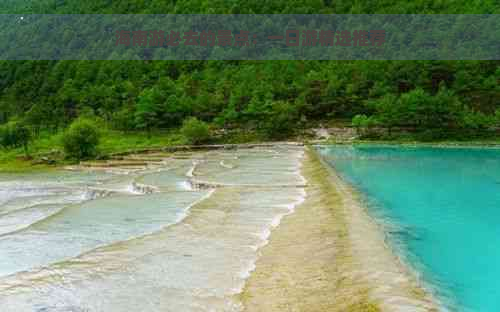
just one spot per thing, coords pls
(330, 255)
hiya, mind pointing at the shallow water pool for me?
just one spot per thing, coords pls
(143, 240)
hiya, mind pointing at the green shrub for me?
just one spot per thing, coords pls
(365, 126)
(195, 131)
(15, 134)
(282, 120)
(360, 121)
(122, 120)
(476, 120)
(496, 118)
(81, 139)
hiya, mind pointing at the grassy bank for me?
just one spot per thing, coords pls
(46, 151)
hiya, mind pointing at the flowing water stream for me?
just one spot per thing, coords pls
(181, 234)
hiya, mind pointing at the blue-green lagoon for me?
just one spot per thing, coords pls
(442, 210)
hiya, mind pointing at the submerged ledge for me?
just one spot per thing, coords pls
(330, 255)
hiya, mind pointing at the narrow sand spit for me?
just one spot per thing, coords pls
(330, 255)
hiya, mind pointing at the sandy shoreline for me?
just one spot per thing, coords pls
(331, 256)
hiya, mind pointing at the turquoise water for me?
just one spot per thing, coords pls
(444, 207)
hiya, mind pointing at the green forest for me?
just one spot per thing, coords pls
(141, 103)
